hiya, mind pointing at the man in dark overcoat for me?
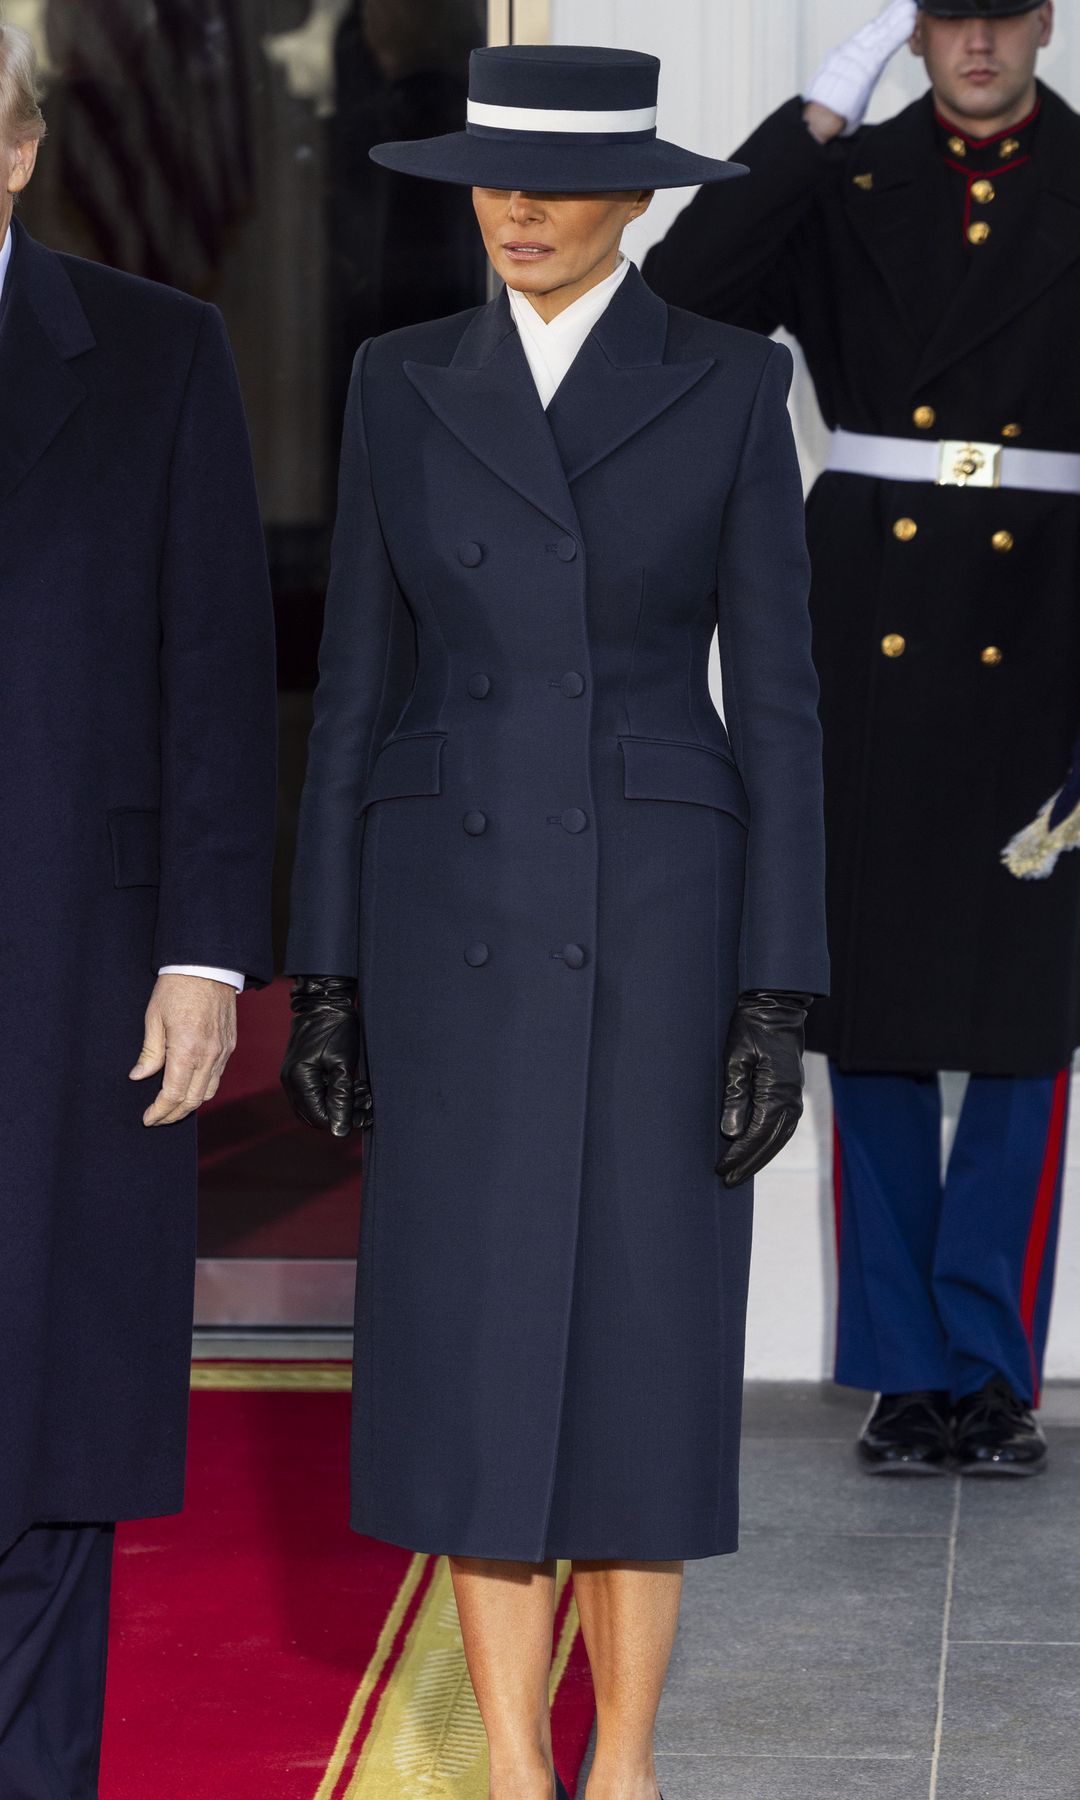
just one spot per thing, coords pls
(136, 818)
(930, 268)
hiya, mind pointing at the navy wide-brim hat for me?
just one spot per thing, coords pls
(557, 118)
(977, 9)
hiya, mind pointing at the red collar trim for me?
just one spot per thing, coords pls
(974, 143)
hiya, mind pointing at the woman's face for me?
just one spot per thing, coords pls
(554, 246)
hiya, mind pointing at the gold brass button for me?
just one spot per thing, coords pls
(1003, 540)
(983, 192)
(894, 644)
(991, 656)
(905, 530)
(979, 232)
(957, 146)
(865, 182)
(924, 417)
(1010, 147)
(1011, 430)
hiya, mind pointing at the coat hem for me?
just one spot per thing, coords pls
(696, 1550)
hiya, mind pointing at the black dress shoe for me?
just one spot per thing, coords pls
(906, 1434)
(997, 1433)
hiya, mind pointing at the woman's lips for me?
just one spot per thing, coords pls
(527, 252)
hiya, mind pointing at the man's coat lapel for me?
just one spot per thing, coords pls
(44, 328)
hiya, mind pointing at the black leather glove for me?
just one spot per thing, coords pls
(321, 1070)
(763, 1081)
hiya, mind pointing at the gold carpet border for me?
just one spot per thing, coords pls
(359, 1701)
(295, 1378)
(426, 1739)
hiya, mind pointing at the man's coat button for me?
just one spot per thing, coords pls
(573, 819)
(475, 823)
(479, 686)
(573, 685)
(476, 955)
(566, 549)
(573, 956)
(470, 554)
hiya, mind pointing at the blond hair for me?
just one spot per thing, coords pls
(20, 114)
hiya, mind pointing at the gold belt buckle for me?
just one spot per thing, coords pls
(968, 464)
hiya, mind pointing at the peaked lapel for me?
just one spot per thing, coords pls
(44, 328)
(487, 397)
(1049, 243)
(619, 382)
(892, 211)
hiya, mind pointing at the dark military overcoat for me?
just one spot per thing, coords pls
(949, 654)
(136, 824)
(526, 826)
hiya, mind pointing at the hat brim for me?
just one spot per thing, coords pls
(947, 11)
(469, 160)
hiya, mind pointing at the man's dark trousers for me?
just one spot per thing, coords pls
(54, 1618)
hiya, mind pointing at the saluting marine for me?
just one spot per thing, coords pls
(930, 268)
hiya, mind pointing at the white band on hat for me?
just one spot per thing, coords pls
(544, 118)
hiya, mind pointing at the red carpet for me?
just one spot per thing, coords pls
(261, 1651)
(269, 1186)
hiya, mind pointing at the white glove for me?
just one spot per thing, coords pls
(849, 75)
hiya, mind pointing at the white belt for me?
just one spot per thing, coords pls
(952, 462)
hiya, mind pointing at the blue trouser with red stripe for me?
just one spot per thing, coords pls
(945, 1279)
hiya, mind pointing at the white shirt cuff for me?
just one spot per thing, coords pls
(231, 977)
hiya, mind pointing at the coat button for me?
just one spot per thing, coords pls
(991, 656)
(924, 417)
(983, 191)
(470, 554)
(573, 685)
(1011, 431)
(1010, 147)
(979, 232)
(957, 146)
(905, 530)
(573, 956)
(479, 686)
(476, 955)
(893, 645)
(566, 549)
(573, 819)
(1003, 541)
(475, 823)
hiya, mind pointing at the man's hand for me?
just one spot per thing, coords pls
(847, 78)
(191, 1034)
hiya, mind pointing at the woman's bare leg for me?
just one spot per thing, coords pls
(507, 1612)
(629, 1615)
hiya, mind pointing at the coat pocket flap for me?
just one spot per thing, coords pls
(406, 766)
(659, 769)
(136, 846)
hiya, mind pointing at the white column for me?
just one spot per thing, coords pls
(726, 65)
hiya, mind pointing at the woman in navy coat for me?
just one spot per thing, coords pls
(567, 894)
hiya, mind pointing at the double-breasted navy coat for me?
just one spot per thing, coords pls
(136, 828)
(527, 829)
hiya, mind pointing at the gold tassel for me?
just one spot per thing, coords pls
(1032, 853)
